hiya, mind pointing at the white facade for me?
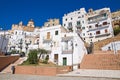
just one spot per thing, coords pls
(92, 26)
(22, 39)
(65, 48)
(99, 25)
(74, 20)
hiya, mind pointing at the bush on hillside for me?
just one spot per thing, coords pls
(32, 57)
(116, 30)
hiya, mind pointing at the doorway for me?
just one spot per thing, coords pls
(64, 61)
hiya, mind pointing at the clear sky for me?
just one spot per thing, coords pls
(14, 11)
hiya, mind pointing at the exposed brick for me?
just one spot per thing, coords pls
(38, 70)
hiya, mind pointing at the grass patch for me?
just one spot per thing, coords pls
(50, 64)
(27, 63)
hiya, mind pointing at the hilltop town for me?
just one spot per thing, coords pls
(70, 43)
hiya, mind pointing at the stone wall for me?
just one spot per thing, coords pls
(39, 70)
(6, 60)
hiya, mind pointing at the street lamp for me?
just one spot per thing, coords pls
(38, 43)
(20, 46)
(26, 47)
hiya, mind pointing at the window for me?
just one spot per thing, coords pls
(78, 12)
(48, 25)
(16, 33)
(97, 32)
(78, 22)
(91, 40)
(48, 35)
(65, 19)
(91, 34)
(83, 27)
(79, 17)
(65, 35)
(82, 21)
(90, 26)
(56, 32)
(54, 44)
(96, 25)
(105, 15)
(106, 30)
(64, 24)
(82, 16)
(83, 34)
(71, 18)
(70, 24)
(104, 23)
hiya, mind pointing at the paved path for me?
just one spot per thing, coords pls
(94, 73)
(36, 77)
(19, 61)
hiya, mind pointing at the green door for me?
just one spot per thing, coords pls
(64, 61)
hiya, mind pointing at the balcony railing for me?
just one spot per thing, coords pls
(102, 35)
(47, 39)
(78, 26)
(68, 38)
(99, 27)
(97, 20)
(67, 51)
(69, 27)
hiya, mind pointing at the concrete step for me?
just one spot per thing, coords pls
(19, 61)
(101, 61)
(93, 73)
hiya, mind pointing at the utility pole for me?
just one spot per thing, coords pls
(72, 52)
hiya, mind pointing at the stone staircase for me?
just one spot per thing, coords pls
(8, 68)
(103, 61)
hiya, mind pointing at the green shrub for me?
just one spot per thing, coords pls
(32, 57)
(13, 52)
(116, 30)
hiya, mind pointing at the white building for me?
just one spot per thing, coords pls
(23, 38)
(64, 48)
(74, 20)
(99, 25)
(92, 26)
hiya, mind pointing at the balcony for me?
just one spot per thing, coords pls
(97, 20)
(99, 27)
(47, 39)
(67, 38)
(91, 36)
(102, 35)
(78, 26)
(67, 51)
(69, 27)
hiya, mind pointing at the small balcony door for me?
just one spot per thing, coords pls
(56, 58)
(48, 35)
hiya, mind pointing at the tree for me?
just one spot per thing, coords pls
(116, 30)
(32, 57)
(42, 51)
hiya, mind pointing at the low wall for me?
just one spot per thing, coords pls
(6, 60)
(38, 70)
